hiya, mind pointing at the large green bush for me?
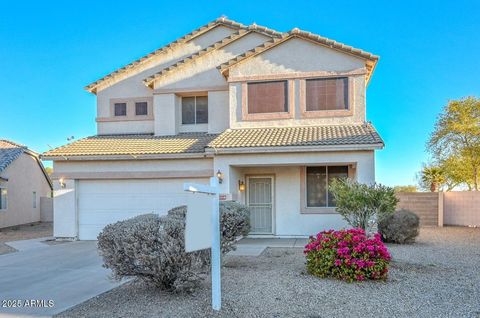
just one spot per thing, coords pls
(361, 204)
(152, 247)
(400, 227)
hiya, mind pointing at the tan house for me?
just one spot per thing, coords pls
(23, 183)
(275, 115)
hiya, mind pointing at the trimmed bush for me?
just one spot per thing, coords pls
(361, 205)
(347, 255)
(400, 227)
(152, 247)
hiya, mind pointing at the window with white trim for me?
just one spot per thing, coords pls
(3, 199)
(194, 110)
(317, 181)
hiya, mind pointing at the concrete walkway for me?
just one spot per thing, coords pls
(256, 246)
(25, 245)
(66, 274)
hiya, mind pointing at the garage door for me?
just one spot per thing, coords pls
(103, 202)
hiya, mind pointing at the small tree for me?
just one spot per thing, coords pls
(361, 204)
(432, 177)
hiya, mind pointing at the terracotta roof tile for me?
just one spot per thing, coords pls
(133, 145)
(298, 136)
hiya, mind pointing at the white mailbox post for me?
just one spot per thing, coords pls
(213, 192)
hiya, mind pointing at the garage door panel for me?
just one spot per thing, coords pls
(102, 202)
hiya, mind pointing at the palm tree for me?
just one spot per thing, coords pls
(433, 176)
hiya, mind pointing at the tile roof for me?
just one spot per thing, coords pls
(309, 36)
(195, 143)
(217, 45)
(219, 21)
(9, 151)
(133, 145)
(298, 136)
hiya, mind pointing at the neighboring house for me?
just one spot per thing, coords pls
(23, 181)
(275, 115)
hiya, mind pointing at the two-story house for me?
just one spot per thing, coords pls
(276, 116)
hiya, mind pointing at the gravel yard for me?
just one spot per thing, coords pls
(439, 276)
(23, 232)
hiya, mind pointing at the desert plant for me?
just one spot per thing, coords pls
(400, 227)
(152, 247)
(361, 204)
(348, 255)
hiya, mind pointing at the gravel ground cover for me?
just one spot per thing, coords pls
(439, 276)
(23, 232)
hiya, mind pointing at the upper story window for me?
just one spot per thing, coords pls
(120, 109)
(317, 182)
(195, 110)
(267, 97)
(3, 199)
(326, 94)
(141, 108)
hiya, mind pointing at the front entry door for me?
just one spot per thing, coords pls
(260, 201)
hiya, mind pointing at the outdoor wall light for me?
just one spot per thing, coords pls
(220, 176)
(241, 185)
(62, 183)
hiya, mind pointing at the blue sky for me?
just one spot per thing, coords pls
(49, 50)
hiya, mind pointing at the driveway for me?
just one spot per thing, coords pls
(50, 279)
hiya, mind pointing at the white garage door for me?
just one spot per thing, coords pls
(102, 202)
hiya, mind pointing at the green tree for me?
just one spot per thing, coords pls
(361, 204)
(405, 188)
(432, 177)
(455, 142)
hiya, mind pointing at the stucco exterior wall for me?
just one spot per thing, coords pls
(65, 199)
(296, 55)
(132, 84)
(203, 71)
(24, 177)
(288, 220)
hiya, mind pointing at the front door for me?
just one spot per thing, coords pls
(260, 201)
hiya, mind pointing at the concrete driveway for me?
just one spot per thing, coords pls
(47, 280)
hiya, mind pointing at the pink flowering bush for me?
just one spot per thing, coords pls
(348, 255)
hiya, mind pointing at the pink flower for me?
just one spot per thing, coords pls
(338, 262)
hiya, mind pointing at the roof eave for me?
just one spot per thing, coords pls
(106, 157)
(280, 149)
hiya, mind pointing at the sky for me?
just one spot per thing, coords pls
(49, 50)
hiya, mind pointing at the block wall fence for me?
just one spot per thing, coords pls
(443, 208)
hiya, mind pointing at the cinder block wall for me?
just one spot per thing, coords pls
(424, 204)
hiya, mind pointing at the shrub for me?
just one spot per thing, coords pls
(152, 247)
(400, 227)
(348, 255)
(361, 204)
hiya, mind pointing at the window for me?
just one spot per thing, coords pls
(326, 94)
(317, 180)
(120, 109)
(194, 110)
(267, 97)
(141, 109)
(3, 199)
(34, 199)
